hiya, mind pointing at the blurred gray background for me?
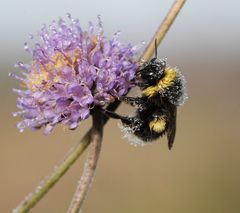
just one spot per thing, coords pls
(200, 174)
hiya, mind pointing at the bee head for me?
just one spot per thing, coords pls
(152, 71)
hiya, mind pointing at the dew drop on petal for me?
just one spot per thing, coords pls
(69, 15)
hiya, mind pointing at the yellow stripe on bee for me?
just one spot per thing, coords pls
(169, 76)
(157, 124)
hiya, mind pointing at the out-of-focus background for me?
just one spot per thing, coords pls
(200, 174)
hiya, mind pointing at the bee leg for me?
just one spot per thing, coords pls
(142, 85)
(110, 114)
(133, 101)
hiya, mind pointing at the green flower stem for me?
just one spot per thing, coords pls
(31, 200)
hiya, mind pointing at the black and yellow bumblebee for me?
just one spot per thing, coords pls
(162, 91)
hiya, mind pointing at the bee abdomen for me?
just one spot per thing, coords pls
(158, 125)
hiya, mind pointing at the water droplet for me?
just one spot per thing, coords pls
(15, 114)
(19, 64)
(69, 15)
(31, 36)
(117, 33)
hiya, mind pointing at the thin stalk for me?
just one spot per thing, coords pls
(162, 29)
(90, 163)
(32, 199)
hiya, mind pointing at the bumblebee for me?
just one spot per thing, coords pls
(162, 91)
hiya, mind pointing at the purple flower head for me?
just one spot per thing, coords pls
(72, 71)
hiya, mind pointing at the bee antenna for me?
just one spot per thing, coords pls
(155, 48)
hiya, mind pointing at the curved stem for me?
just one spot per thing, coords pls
(33, 198)
(50, 181)
(90, 164)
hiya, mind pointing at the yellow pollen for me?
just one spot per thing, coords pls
(35, 79)
(59, 61)
(94, 41)
(40, 72)
(56, 79)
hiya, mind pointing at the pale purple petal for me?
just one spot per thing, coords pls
(72, 70)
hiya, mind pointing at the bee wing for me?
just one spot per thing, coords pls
(171, 131)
